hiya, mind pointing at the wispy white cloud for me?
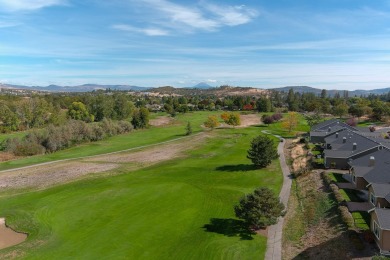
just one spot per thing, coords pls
(189, 16)
(146, 31)
(232, 15)
(203, 16)
(28, 5)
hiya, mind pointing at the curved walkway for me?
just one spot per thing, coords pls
(274, 240)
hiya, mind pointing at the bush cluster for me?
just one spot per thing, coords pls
(271, 119)
(344, 212)
(55, 138)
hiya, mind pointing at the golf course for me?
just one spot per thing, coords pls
(169, 196)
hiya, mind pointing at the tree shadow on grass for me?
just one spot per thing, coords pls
(237, 168)
(230, 227)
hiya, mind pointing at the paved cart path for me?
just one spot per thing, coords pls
(274, 241)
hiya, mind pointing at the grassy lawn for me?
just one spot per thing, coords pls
(362, 220)
(337, 177)
(120, 142)
(368, 123)
(179, 209)
(351, 195)
(277, 128)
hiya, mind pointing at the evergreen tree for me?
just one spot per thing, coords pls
(260, 208)
(262, 151)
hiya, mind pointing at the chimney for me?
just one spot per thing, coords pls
(344, 140)
(337, 135)
(329, 129)
(354, 146)
(372, 161)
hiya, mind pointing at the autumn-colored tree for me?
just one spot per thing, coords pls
(233, 119)
(247, 107)
(290, 122)
(225, 116)
(211, 122)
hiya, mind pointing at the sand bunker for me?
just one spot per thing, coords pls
(8, 237)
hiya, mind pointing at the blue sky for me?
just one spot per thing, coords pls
(342, 44)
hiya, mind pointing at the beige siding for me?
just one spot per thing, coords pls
(384, 241)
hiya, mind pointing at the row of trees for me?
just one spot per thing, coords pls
(21, 113)
(262, 207)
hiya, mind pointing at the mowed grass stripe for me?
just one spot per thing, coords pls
(157, 212)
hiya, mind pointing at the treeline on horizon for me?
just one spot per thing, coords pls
(106, 113)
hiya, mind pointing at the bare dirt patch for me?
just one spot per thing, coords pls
(246, 120)
(161, 120)
(46, 175)
(298, 155)
(9, 237)
(154, 154)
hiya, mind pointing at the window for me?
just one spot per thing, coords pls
(375, 229)
(372, 199)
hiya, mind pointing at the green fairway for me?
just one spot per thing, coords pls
(180, 209)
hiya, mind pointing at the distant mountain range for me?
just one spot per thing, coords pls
(79, 88)
(202, 86)
(317, 91)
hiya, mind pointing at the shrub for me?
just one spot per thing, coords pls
(346, 216)
(277, 116)
(24, 147)
(268, 120)
(336, 193)
(326, 178)
(125, 126)
(351, 121)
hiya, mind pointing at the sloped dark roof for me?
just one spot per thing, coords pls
(333, 130)
(345, 150)
(379, 173)
(383, 218)
(330, 126)
(381, 190)
(324, 124)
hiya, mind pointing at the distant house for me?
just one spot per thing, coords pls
(380, 226)
(344, 146)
